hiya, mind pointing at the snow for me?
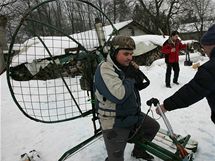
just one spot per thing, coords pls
(20, 134)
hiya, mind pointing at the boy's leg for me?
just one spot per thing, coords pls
(148, 130)
(115, 141)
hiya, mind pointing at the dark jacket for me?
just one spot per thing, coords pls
(202, 85)
(172, 57)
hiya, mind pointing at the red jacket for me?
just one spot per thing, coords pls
(172, 57)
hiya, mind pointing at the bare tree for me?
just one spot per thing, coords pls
(5, 5)
(158, 15)
(203, 12)
(3, 44)
(104, 7)
(119, 10)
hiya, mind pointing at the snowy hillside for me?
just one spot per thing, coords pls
(20, 134)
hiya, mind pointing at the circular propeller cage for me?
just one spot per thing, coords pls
(46, 77)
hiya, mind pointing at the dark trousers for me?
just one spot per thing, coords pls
(116, 139)
(176, 69)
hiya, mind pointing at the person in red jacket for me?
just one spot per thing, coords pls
(171, 49)
(202, 84)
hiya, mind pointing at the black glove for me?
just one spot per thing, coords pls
(130, 72)
(138, 76)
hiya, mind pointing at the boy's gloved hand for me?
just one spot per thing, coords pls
(141, 80)
(133, 72)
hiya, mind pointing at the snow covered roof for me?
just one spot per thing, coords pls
(16, 47)
(109, 29)
(146, 43)
(33, 49)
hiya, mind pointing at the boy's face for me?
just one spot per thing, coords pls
(124, 57)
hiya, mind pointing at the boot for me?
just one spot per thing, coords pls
(175, 82)
(168, 86)
(140, 153)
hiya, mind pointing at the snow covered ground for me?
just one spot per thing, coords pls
(20, 134)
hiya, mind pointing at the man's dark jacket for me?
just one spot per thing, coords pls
(202, 85)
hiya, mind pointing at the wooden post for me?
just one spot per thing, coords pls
(3, 42)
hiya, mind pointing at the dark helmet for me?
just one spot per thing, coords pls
(123, 42)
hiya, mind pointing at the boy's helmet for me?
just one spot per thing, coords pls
(123, 42)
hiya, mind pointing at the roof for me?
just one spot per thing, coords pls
(146, 43)
(109, 29)
(57, 44)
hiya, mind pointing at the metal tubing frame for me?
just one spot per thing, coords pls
(97, 131)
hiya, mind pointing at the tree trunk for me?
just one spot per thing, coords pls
(3, 43)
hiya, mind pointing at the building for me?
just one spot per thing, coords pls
(130, 28)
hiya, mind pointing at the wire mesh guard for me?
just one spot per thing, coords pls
(50, 78)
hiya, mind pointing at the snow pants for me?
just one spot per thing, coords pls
(116, 139)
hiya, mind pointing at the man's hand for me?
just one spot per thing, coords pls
(135, 65)
(162, 109)
(173, 50)
(133, 71)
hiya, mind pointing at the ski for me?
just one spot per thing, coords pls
(163, 137)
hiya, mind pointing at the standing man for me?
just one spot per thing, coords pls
(171, 49)
(203, 83)
(117, 84)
